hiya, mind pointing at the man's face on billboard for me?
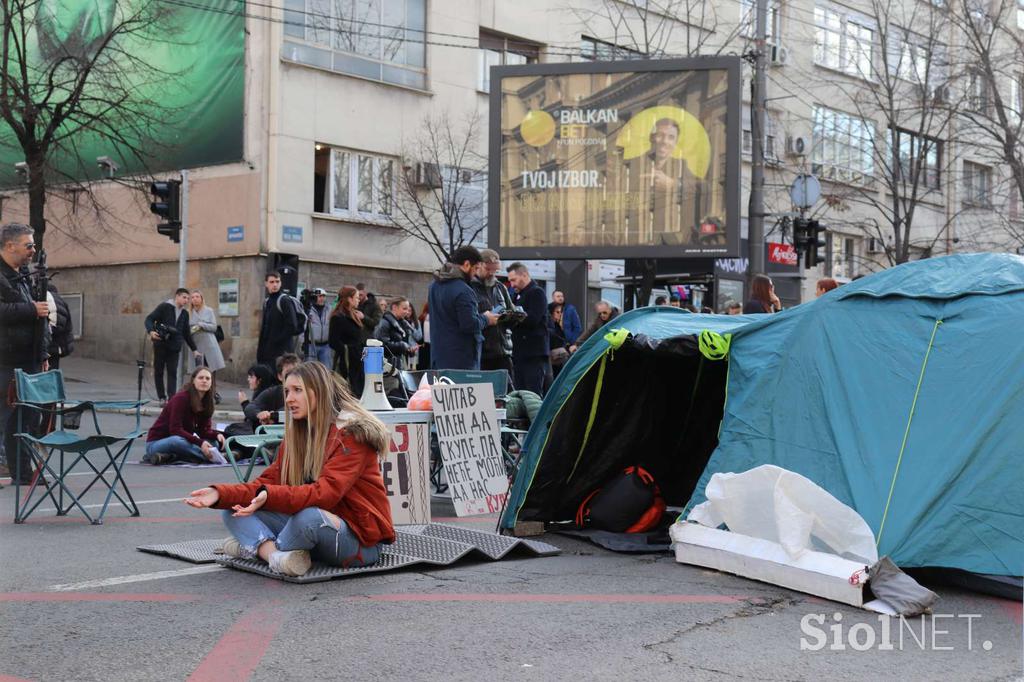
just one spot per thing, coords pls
(663, 141)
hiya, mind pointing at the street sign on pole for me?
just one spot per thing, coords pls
(805, 191)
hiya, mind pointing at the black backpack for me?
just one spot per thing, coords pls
(629, 503)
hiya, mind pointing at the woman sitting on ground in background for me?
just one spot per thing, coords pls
(260, 378)
(183, 430)
(324, 494)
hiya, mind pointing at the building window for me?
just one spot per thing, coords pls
(916, 151)
(748, 20)
(842, 146)
(353, 184)
(771, 141)
(843, 42)
(977, 185)
(499, 50)
(592, 49)
(382, 40)
(916, 58)
(977, 92)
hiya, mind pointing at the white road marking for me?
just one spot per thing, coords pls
(137, 578)
(115, 503)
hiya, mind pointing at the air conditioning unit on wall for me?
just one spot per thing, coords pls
(798, 145)
(778, 55)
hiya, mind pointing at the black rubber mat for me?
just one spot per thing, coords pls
(438, 544)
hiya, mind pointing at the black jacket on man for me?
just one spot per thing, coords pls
(396, 335)
(19, 323)
(276, 327)
(530, 337)
(497, 339)
(62, 341)
(172, 324)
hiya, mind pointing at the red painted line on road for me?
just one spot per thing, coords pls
(75, 516)
(562, 598)
(95, 596)
(12, 678)
(238, 653)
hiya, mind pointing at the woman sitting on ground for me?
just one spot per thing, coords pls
(324, 494)
(183, 431)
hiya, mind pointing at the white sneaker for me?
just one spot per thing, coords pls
(232, 548)
(295, 562)
(216, 457)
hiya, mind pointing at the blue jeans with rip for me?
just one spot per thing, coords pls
(177, 446)
(310, 529)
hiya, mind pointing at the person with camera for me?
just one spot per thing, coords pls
(22, 345)
(318, 327)
(496, 352)
(168, 326)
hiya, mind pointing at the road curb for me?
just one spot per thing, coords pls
(221, 415)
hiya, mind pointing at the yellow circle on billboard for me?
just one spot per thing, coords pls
(537, 128)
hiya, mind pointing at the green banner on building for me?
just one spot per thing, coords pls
(166, 92)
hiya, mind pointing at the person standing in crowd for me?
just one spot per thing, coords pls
(456, 321)
(762, 296)
(20, 345)
(824, 285)
(168, 326)
(203, 326)
(318, 330)
(571, 324)
(324, 494)
(184, 431)
(606, 312)
(263, 408)
(530, 346)
(423, 359)
(370, 307)
(396, 334)
(62, 332)
(346, 335)
(661, 300)
(557, 342)
(496, 351)
(277, 323)
(733, 308)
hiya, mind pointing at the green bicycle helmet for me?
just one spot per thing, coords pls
(714, 346)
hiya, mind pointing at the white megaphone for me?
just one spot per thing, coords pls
(373, 397)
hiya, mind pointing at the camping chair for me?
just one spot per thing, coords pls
(43, 393)
(265, 436)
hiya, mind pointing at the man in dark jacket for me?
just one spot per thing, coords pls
(530, 345)
(369, 306)
(456, 324)
(24, 335)
(168, 327)
(277, 325)
(496, 352)
(396, 334)
(606, 312)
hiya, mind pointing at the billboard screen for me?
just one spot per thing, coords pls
(616, 159)
(189, 83)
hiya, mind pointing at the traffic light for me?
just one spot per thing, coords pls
(800, 234)
(815, 244)
(167, 205)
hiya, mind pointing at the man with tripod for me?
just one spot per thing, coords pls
(24, 335)
(167, 327)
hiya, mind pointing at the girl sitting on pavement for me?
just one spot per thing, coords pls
(323, 495)
(183, 431)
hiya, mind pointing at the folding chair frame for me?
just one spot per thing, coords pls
(263, 436)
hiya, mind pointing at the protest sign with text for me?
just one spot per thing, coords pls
(468, 434)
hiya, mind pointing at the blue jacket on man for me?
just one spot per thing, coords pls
(456, 325)
(571, 324)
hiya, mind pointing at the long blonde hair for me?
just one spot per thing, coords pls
(305, 440)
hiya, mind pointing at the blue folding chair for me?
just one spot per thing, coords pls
(57, 451)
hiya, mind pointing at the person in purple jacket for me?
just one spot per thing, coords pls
(183, 431)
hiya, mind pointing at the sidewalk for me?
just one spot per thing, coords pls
(87, 379)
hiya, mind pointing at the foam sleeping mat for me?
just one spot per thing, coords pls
(435, 544)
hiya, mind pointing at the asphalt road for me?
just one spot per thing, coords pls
(78, 602)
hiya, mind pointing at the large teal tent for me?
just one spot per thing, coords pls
(902, 394)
